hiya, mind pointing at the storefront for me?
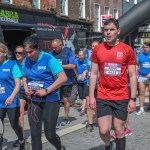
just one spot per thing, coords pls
(83, 30)
(16, 14)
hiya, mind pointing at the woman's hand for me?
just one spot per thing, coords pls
(9, 100)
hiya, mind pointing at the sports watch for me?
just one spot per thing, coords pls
(47, 92)
(134, 99)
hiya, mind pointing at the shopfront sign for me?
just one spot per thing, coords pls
(104, 18)
(9, 16)
(144, 29)
(16, 15)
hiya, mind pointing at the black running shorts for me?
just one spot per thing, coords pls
(115, 108)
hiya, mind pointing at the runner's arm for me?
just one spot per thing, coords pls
(93, 79)
(133, 80)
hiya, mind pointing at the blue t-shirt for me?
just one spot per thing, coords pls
(144, 64)
(81, 67)
(20, 65)
(41, 74)
(65, 56)
(9, 71)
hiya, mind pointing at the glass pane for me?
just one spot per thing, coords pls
(6, 1)
(35, 3)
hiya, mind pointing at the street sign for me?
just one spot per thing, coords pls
(144, 29)
(104, 18)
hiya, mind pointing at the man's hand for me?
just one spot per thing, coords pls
(92, 103)
(83, 76)
(131, 106)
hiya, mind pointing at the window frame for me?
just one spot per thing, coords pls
(39, 5)
(83, 10)
(99, 18)
(65, 10)
(117, 13)
(105, 9)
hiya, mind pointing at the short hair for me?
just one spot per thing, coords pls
(59, 41)
(31, 41)
(147, 44)
(96, 41)
(82, 51)
(4, 49)
(19, 46)
(112, 20)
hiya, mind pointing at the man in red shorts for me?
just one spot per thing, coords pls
(112, 58)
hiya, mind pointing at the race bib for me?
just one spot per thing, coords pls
(112, 69)
(35, 85)
(2, 90)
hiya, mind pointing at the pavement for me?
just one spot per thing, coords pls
(74, 138)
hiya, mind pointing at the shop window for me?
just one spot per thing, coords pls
(97, 18)
(115, 13)
(106, 10)
(82, 8)
(36, 4)
(7, 1)
(64, 7)
(135, 1)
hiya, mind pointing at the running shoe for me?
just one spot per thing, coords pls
(127, 132)
(65, 122)
(82, 112)
(89, 128)
(16, 143)
(113, 135)
(140, 113)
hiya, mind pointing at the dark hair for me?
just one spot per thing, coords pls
(147, 44)
(31, 41)
(96, 41)
(112, 20)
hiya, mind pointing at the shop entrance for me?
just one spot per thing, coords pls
(14, 38)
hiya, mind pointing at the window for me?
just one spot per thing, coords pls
(82, 8)
(64, 7)
(106, 10)
(97, 18)
(36, 4)
(115, 13)
(135, 1)
(7, 1)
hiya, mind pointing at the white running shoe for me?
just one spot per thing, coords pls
(140, 113)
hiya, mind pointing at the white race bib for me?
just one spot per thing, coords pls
(112, 69)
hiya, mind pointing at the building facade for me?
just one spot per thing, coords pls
(128, 4)
(83, 15)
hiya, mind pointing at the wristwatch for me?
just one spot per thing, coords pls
(134, 99)
(47, 92)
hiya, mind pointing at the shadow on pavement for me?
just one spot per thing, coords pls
(6, 144)
(101, 147)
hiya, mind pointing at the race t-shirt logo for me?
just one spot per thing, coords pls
(41, 67)
(119, 55)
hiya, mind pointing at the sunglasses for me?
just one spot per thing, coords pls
(20, 53)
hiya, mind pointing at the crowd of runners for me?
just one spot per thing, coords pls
(105, 79)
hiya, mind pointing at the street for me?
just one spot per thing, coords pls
(74, 138)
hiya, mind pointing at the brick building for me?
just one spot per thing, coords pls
(83, 15)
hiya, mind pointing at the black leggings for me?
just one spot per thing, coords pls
(13, 115)
(48, 113)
